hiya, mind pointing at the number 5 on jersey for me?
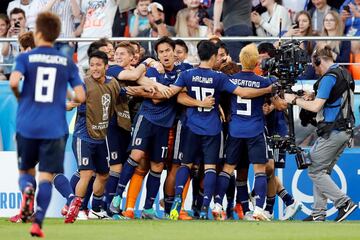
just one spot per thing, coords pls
(247, 102)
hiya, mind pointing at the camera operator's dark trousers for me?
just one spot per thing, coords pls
(324, 155)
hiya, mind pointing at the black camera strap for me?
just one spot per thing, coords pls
(341, 122)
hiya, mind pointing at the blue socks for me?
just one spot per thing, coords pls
(42, 200)
(209, 186)
(242, 195)
(26, 180)
(74, 180)
(168, 202)
(62, 184)
(286, 197)
(110, 188)
(152, 188)
(270, 201)
(230, 193)
(96, 203)
(126, 174)
(182, 176)
(260, 188)
(222, 185)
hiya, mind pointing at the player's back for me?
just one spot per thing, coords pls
(200, 83)
(41, 111)
(247, 118)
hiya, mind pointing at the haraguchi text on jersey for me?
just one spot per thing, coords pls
(50, 59)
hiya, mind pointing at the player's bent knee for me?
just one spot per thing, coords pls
(116, 168)
(86, 174)
(137, 155)
(228, 168)
(157, 166)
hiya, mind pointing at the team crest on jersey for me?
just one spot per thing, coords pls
(105, 101)
(114, 155)
(138, 141)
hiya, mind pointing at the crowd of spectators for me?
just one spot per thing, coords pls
(185, 18)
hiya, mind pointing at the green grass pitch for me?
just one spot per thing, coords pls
(185, 230)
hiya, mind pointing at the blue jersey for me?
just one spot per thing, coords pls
(41, 111)
(247, 117)
(80, 130)
(162, 114)
(200, 83)
(114, 71)
(330, 111)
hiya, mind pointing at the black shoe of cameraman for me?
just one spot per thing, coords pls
(345, 211)
(317, 218)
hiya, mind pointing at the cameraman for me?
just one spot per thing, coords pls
(333, 105)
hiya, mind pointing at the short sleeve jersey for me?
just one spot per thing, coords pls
(326, 84)
(164, 113)
(41, 111)
(247, 118)
(200, 83)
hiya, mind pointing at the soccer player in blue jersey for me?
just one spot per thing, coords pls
(246, 133)
(204, 124)
(151, 129)
(41, 123)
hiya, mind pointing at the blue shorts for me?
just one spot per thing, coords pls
(118, 140)
(49, 153)
(150, 138)
(255, 148)
(91, 156)
(206, 147)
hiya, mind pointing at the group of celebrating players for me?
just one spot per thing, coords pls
(137, 118)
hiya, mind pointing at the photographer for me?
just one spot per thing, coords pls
(333, 104)
(11, 49)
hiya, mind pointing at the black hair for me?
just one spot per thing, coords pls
(94, 46)
(17, 11)
(164, 40)
(100, 55)
(266, 47)
(182, 44)
(206, 49)
(221, 44)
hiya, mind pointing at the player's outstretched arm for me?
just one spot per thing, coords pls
(184, 99)
(252, 92)
(14, 81)
(164, 90)
(136, 73)
(80, 95)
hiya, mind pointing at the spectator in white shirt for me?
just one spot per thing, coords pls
(17, 26)
(268, 23)
(30, 8)
(68, 11)
(4, 27)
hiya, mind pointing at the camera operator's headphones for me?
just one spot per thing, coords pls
(326, 52)
(316, 58)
